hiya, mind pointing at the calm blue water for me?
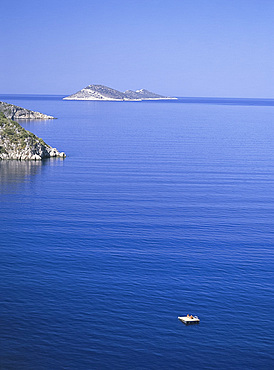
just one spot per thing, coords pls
(159, 210)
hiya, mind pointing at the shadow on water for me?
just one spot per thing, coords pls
(13, 172)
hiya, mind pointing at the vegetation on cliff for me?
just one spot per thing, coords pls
(18, 143)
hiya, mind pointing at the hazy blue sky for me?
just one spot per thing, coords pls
(178, 47)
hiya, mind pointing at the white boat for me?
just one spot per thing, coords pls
(189, 319)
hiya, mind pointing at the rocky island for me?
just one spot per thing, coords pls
(18, 143)
(13, 112)
(100, 92)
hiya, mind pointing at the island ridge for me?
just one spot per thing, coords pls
(101, 92)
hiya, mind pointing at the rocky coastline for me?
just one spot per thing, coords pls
(14, 112)
(20, 144)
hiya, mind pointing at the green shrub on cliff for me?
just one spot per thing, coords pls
(16, 134)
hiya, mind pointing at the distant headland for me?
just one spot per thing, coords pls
(14, 112)
(101, 92)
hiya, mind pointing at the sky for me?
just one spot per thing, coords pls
(186, 48)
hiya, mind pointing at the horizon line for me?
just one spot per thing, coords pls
(178, 97)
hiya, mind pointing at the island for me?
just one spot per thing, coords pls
(104, 93)
(13, 112)
(18, 143)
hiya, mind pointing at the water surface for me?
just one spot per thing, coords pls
(160, 209)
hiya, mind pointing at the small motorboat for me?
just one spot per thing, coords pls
(189, 319)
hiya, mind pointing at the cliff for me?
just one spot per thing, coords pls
(13, 112)
(100, 92)
(18, 143)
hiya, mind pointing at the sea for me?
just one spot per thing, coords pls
(160, 209)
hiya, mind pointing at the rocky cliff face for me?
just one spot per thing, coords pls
(18, 143)
(13, 112)
(100, 92)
